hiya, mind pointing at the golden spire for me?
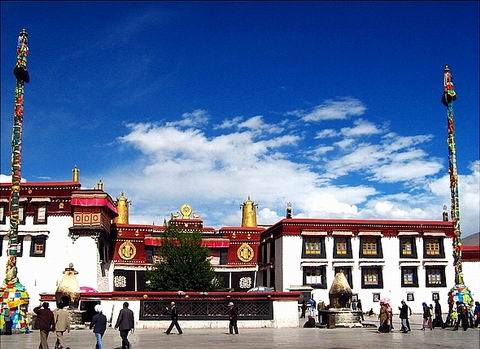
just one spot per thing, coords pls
(122, 208)
(76, 174)
(249, 214)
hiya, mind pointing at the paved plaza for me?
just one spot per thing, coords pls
(265, 338)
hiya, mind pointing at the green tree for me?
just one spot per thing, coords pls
(183, 264)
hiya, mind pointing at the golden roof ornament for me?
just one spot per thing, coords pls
(186, 211)
(76, 174)
(249, 214)
(122, 209)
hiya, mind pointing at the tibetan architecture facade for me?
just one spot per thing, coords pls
(63, 223)
(410, 260)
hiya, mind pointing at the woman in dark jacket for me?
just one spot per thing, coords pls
(99, 325)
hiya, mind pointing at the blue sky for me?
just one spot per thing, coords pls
(334, 106)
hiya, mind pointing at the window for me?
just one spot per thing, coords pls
(20, 246)
(409, 277)
(3, 214)
(37, 248)
(1, 244)
(370, 246)
(347, 271)
(372, 277)
(315, 276)
(264, 253)
(313, 247)
(223, 256)
(342, 247)
(408, 248)
(433, 248)
(22, 209)
(40, 214)
(435, 276)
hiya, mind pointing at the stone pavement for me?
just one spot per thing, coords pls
(260, 338)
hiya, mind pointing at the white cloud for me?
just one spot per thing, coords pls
(196, 118)
(8, 179)
(331, 109)
(229, 123)
(361, 128)
(326, 133)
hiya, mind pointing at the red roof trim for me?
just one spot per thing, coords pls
(43, 184)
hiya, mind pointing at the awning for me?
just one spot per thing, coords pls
(313, 264)
(376, 263)
(31, 233)
(408, 233)
(409, 263)
(342, 233)
(369, 233)
(434, 233)
(343, 263)
(88, 202)
(40, 200)
(314, 233)
(430, 262)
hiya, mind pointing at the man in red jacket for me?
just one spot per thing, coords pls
(44, 323)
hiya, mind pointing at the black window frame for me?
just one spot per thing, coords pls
(323, 273)
(379, 277)
(20, 243)
(349, 254)
(442, 274)
(379, 247)
(22, 220)
(322, 253)
(1, 244)
(414, 247)
(415, 276)
(264, 253)
(3, 218)
(441, 247)
(34, 240)
(347, 271)
(35, 216)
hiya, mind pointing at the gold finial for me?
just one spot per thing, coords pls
(122, 209)
(186, 211)
(249, 213)
(76, 174)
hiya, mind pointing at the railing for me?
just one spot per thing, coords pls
(207, 310)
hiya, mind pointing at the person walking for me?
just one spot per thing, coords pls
(44, 323)
(477, 313)
(304, 309)
(62, 324)
(384, 317)
(125, 323)
(232, 316)
(359, 308)
(438, 321)
(313, 306)
(99, 325)
(404, 316)
(426, 316)
(174, 317)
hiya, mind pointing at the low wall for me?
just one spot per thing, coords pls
(199, 309)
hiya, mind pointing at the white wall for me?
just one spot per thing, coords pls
(392, 289)
(42, 274)
(471, 277)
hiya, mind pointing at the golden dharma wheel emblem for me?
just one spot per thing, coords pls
(245, 253)
(127, 250)
(186, 210)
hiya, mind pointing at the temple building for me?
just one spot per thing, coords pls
(63, 223)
